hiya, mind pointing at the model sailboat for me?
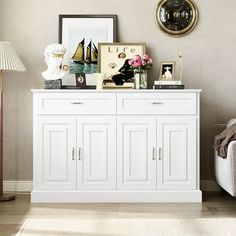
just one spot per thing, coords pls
(91, 53)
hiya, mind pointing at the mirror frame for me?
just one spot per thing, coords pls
(182, 32)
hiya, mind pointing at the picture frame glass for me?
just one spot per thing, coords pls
(80, 34)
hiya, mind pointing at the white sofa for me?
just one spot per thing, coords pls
(225, 169)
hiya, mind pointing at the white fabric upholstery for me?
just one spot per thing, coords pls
(231, 122)
(225, 169)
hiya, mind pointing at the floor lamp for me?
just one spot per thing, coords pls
(9, 61)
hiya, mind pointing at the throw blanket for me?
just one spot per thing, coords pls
(223, 139)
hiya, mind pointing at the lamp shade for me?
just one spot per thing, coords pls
(9, 60)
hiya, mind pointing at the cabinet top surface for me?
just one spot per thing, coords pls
(116, 91)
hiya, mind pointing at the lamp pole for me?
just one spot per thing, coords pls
(3, 197)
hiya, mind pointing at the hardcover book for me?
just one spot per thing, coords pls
(171, 82)
(165, 86)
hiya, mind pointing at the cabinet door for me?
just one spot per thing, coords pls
(54, 165)
(96, 152)
(136, 164)
(176, 142)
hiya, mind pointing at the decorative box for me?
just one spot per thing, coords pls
(53, 84)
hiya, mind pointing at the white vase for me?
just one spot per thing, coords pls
(140, 79)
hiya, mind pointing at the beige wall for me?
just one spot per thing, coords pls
(209, 63)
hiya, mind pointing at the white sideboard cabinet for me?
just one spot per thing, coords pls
(116, 146)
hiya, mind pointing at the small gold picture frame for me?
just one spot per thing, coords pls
(167, 71)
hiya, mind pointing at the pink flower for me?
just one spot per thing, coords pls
(137, 63)
(130, 62)
(146, 57)
(140, 63)
(137, 57)
(144, 63)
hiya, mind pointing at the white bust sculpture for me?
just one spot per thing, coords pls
(53, 57)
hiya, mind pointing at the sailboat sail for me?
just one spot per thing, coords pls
(88, 52)
(79, 53)
(94, 54)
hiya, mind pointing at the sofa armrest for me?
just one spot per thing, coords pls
(225, 169)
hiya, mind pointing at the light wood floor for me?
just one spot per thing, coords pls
(13, 213)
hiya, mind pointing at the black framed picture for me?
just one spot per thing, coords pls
(80, 34)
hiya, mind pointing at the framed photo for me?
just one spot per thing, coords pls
(80, 34)
(114, 56)
(167, 71)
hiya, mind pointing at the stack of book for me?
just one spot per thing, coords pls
(175, 84)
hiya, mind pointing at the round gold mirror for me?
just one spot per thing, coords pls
(176, 17)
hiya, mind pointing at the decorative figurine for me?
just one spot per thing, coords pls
(53, 57)
(167, 75)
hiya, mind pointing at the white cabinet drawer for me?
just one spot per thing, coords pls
(76, 103)
(156, 103)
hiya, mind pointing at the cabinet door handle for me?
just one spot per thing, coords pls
(73, 154)
(153, 153)
(159, 153)
(156, 103)
(77, 103)
(79, 154)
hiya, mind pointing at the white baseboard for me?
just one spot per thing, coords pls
(119, 196)
(27, 186)
(17, 186)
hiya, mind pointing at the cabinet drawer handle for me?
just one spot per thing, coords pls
(73, 154)
(77, 103)
(153, 153)
(159, 153)
(79, 154)
(156, 103)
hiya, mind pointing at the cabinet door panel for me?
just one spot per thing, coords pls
(136, 143)
(97, 143)
(176, 138)
(55, 167)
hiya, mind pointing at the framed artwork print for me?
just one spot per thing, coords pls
(114, 56)
(167, 71)
(80, 34)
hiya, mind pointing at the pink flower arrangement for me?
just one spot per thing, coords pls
(139, 63)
